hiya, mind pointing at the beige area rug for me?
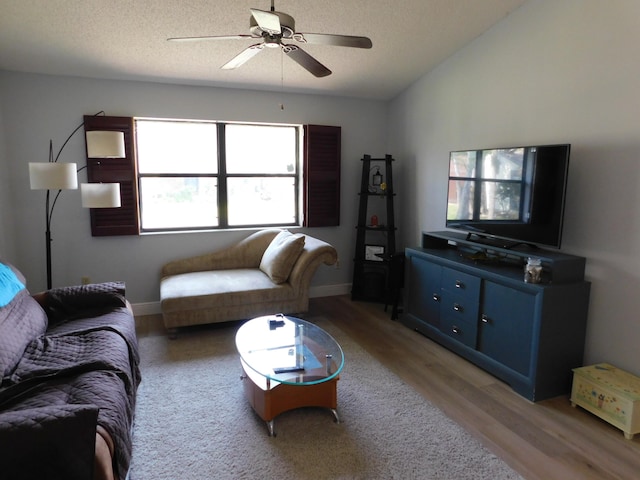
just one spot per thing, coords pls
(193, 422)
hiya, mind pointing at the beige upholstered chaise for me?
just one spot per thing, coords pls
(268, 272)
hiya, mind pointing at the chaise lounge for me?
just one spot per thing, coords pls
(268, 272)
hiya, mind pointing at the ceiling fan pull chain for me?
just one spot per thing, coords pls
(281, 77)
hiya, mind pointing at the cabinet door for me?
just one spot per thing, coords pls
(506, 326)
(423, 282)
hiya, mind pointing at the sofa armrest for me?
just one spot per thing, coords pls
(50, 442)
(245, 254)
(314, 253)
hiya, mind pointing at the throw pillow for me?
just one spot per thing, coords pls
(281, 254)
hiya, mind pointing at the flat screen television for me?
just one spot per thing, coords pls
(509, 196)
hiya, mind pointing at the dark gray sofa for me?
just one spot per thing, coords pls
(69, 368)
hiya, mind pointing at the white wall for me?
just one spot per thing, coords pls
(7, 244)
(551, 72)
(37, 108)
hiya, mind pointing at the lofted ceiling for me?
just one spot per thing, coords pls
(126, 39)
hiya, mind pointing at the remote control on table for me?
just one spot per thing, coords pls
(287, 369)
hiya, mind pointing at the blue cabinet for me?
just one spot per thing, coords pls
(529, 335)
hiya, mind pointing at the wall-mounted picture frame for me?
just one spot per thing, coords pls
(373, 252)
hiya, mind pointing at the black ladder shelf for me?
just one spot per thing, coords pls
(375, 244)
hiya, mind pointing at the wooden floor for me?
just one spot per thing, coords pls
(544, 440)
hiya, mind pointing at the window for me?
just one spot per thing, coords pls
(203, 175)
(225, 156)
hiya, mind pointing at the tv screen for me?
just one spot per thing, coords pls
(516, 194)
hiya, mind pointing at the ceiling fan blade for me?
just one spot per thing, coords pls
(335, 40)
(215, 37)
(306, 61)
(267, 21)
(243, 57)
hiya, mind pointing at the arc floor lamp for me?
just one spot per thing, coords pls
(54, 175)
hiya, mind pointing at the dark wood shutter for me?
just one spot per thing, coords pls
(321, 182)
(123, 220)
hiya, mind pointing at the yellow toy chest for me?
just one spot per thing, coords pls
(610, 393)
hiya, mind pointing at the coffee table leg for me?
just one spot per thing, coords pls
(271, 427)
(335, 415)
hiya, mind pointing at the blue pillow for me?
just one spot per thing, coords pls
(9, 285)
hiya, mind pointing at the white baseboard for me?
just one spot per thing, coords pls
(329, 290)
(153, 308)
(147, 308)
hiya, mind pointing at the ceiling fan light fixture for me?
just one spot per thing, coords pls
(272, 42)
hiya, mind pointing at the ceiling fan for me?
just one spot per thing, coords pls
(275, 27)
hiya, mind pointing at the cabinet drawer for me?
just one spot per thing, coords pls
(461, 283)
(463, 332)
(458, 307)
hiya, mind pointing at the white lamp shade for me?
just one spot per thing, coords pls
(53, 176)
(105, 144)
(100, 195)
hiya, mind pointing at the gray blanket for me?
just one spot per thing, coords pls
(81, 372)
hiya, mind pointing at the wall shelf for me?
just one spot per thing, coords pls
(371, 278)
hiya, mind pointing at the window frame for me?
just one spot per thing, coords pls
(223, 176)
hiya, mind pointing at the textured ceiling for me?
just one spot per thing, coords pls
(126, 39)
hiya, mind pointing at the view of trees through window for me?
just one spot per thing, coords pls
(488, 186)
(200, 175)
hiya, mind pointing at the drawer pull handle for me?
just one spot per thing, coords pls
(458, 308)
(485, 319)
(456, 330)
(436, 297)
(459, 284)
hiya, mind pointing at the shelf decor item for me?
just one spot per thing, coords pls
(377, 178)
(533, 270)
(374, 253)
(54, 175)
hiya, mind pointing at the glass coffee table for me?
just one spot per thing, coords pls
(288, 363)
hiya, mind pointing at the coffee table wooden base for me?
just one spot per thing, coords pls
(269, 398)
